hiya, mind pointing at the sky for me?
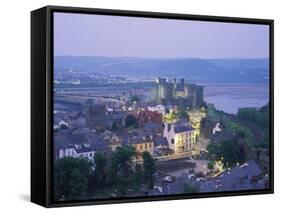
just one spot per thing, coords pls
(117, 36)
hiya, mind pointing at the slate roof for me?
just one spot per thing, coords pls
(174, 188)
(74, 114)
(77, 139)
(237, 178)
(68, 141)
(135, 138)
(139, 140)
(183, 126)
(61, 142)
(152, 125)
(249, 169)
(100, 147)
(159, 140)
(97, 143)
(84, 149)
(59, 115)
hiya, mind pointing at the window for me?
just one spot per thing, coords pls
(140, 147)
(173, 141)
(145, 146)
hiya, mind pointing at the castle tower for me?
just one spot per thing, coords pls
(95, 115)
(161, 89)
(175, 83)
(181, 84)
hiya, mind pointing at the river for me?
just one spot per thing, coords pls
(229, 98)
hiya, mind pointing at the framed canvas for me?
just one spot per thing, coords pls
(131, 106)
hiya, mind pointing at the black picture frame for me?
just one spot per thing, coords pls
(42, 103)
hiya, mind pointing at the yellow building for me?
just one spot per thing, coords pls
(184, 141)
(180, 136)
(142, 144)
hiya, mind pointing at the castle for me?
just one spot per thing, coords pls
(179, 93)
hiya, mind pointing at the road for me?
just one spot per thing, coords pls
(82, 99)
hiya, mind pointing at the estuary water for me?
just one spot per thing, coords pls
(229, 98)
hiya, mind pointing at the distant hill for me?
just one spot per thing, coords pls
(192, 69)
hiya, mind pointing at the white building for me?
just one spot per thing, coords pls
(78, 146)
(217, 128)
(180, 136)
(75, 151)
(63, 123)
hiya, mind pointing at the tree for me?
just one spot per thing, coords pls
(258, 116)
(241, 132)
(210, 166)
(122, 168)
(71, 178)
(180, 114)
(183, 114)
(149, 168)
(188, 189)
(214, 149)
(114, 127)
(131, 121)
(137, 178)
(230, 150)
(100, 175)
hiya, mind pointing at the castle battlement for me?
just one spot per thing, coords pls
(172, 91)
